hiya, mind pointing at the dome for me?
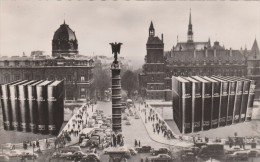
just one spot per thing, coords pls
(64, 33)
(64, 42)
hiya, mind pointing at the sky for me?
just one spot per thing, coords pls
(29, 25)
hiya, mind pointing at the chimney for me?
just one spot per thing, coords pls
(162, 37)
(194, 53)
(215, 52)
(230, 52)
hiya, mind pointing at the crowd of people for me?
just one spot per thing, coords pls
(159, 125)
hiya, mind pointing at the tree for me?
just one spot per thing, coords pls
(102, 81)
(129, 82)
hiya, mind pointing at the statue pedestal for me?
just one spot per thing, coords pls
(118, 154)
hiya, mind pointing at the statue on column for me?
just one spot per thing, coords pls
(115, 50)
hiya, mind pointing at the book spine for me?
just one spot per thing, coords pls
(197, 110)
(238, 100)
(231, 102)
(32, 105)
(250, 104)
(14, 107)
(215, 104)
(223, 103)
(187, 107)
(42, 109)
(60, 114)
(53, 109)
(23, 105)
(5, 107)
(176, 103)
(246, 87)
(206, 99)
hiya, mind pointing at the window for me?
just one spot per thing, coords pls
(69, 78)
(7, 78)
(82, 89)
(82, 78)
(6, 63)
(17, 63)
(17, 77)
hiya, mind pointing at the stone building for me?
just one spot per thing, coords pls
(192, 58)
(64, 64)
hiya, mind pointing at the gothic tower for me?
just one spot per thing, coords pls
(190, 32)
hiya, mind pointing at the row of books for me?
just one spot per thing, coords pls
(33, 106)
(202, 103)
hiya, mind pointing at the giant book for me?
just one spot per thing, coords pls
(32, 106)
(23, 105)
(196, 104)
(223, 101)
(42, 106)
(215, 104)
(55, 106)
(250, 103)
(206, 102)
(182, 104)
(5, 104)
(245, 95)
(14, 106)
(238, 99)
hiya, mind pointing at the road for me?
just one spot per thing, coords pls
(131, 132)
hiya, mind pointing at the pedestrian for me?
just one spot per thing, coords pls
(135, 142)
(37, 143)
(139, 143)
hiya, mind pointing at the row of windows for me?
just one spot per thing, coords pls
(7, 78)
(47, 63)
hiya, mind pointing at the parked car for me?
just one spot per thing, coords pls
(127, 122)
(160, 151)
(144, 149)
(233, 149)
(253, 153)
(124, 117)
(161, 157)
(76, 156)
(13, 153)
(28, 155)
(239, 155)
(90, 157)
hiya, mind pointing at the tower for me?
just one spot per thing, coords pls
(190, 32)
(64, 42)
(151, 30)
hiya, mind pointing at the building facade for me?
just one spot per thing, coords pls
(152, 78)
(194, 58)
(77, 71)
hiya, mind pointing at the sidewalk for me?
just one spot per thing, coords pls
(159, 137)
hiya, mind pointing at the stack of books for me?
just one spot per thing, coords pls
(33, 106)
(203, 103)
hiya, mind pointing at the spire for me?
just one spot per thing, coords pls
(190, 32)
(151, 26)
(190, 18)
(151, 30)
(64, 22)
(209, 42)
(255, 49)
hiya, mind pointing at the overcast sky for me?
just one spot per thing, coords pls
(29, 25)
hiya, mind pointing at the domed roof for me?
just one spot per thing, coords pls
(64, 33)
